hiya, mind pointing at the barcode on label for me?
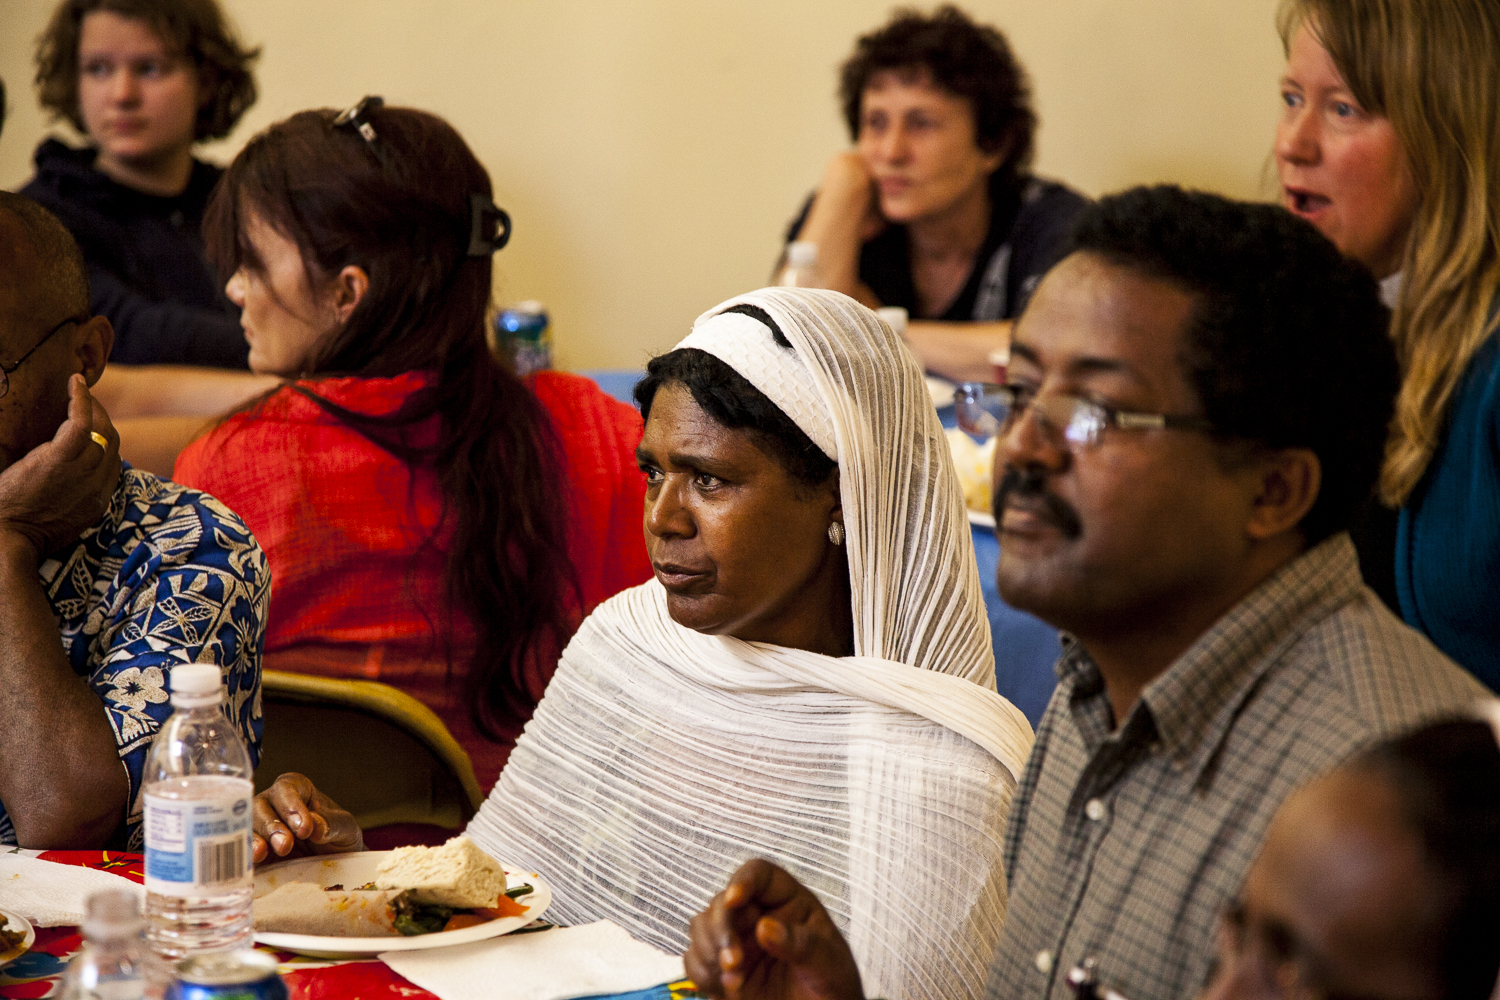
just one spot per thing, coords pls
(220, 859)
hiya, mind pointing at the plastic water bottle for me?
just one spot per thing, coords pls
(524, 330)
(801, 265)
(199, 880)
(110, 965)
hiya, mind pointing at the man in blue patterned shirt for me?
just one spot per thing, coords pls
(109, 576)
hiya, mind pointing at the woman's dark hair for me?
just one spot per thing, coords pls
(969, 60)
(1446, 777)
(730, 399)
(195, 30)
(398, 207)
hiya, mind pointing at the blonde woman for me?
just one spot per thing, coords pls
(1389, 143)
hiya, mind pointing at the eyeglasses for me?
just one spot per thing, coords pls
(5, 370)
(985, 410)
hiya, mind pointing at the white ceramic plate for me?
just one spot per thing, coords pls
(980, 519)
(16, 922)
(352, 870)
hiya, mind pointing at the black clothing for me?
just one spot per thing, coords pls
(146, 264)
(1028, 229)
(1373, 530)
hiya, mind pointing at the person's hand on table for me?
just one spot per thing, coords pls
(294, 818)
(767, 936)
(61, 488)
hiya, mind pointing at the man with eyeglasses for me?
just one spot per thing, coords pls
(108, 576)
(1198, 401)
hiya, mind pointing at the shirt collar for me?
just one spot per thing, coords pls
(1195, 701)
(1197, 698)
(1390, 290)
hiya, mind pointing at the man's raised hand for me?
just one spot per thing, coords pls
(62, 487)
(767, 937)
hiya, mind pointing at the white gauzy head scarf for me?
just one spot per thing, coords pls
(852, 387)
(661, 759)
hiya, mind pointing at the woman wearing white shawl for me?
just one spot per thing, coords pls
(662, 757)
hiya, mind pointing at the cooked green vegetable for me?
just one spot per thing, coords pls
(419, 918)
(517, 891)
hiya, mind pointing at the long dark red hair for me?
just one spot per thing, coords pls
(399, 208)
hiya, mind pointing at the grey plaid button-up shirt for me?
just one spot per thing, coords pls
(1125, 844)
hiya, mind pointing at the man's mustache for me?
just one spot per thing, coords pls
(1031, 484)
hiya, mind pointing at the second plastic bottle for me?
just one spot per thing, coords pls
(109, 965)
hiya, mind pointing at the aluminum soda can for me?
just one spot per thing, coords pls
(523, 329)
(227, 975)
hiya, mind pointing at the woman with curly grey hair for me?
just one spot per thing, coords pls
(934, 208)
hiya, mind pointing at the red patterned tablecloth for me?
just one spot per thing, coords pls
(36, 973)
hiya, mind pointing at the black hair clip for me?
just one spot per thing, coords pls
(485, 218)
(358, 117)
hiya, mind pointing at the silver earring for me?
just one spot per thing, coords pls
(836, 533)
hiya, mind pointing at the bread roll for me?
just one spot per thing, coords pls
(458, 874)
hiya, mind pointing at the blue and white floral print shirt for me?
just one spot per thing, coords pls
(170, 576)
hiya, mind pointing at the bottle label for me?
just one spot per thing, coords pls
(196, 847)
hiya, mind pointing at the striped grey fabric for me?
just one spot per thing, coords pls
(1125, 844)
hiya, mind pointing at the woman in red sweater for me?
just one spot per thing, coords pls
(431, 520)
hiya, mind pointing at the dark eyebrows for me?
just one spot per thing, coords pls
(1286, 945)
(699, 462)
(1023, 351)
(1099, 366)
(1077, 366)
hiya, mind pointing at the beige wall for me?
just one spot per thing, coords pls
(652, 151)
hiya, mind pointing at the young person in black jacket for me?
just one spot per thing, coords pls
(144, 80)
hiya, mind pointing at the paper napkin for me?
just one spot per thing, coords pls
(558, 964)
(51, 895)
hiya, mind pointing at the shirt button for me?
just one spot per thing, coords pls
(1095, 810)
(1044, 962)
